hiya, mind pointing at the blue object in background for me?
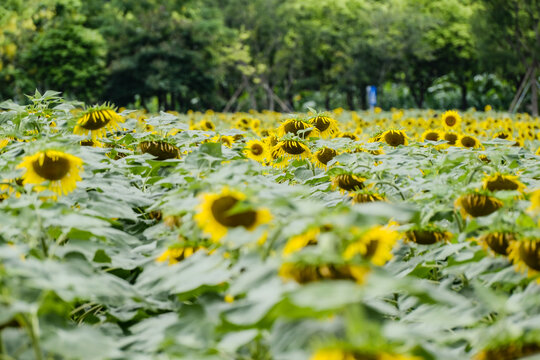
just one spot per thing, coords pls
(372, 96)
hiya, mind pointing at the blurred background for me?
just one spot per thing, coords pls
(235, 55)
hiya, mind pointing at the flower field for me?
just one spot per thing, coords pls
(378, 235)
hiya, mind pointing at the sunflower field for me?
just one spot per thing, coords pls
(341, 235)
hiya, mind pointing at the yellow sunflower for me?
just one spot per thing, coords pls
(325, 125)
(306, 273)
(323, 156)
(257, 150)
(535, 202)
(476, 204)
(226, 140)
(497, 241)
(511, 351)
(498, 181)
(505, 135)
(374, 245)
(295, 126)
(469, 141)
(394, 137)
(525, 254)
(299, 242)
(4, 143)
(60, 169)
(217, 213)
(345, 354)
(97, 120)
(289, 150)
(366, 196)
(427, 236)
(174, 255)
(348, 182)
(431, 135)
(451, 137)
(451, 120)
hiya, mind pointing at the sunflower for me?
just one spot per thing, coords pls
(469, 141)
(176, 254)
(347, 135)
(97, 120)
(497, 241)
(511, 351)
(60, 169)
(525, 254)
(217, 213)
(256, 150)
(431, 135)
(374, 245)
(226, 140)
(427, 235)
(500, 181)
(4, 143)
(162, 150)
(394, 137)
(451, 120)
(299, 242)
(348, 182)
(290, 149)
(325, 125)
(306, 273)
(535, 202)
(505, 135)
(323, 156)
(295, 126)
(476, 204)
(346, 354)
(451, 137)
(366, 196)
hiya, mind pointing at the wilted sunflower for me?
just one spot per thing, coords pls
(294, 126)
(498, 181)
(476, 204)
(497, 241)
(512, 351)
(427, 235)
(162, 150)
(394, 137)
(469, 141)
(299, 242)
(323, 156)
(348, 182)
(176, 254)
(451, 120)
(525, 254)
(256, 150)
(374, 245)
(217, 213)
(366, 196)
(325, 125)
(305, 273)
(60, 169)
(97, 120)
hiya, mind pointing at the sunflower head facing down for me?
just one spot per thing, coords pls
(375, 245)
(304, 273)
(427, 235)
(477, 204)
(525, 254)
(297, 127)
(348, 182)
(451, 137)
(498, 241)
(226, 210)
(61, 171)
(366, 196)
(97, 120)
(323, 156)
(498, 182)
(257, 150)
(325, 125)
(290, 150)
(451, 120)
(160, 149)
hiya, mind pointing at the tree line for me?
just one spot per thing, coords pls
(273, 54)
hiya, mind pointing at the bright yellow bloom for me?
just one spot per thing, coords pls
(97, 121)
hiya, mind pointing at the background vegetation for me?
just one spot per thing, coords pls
(270, 54)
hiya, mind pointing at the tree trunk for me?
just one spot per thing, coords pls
(350, 99)
(327, 101)
(464, 102)
(534, 92)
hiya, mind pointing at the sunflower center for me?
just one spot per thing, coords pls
(295, 126)
(394, 138)
(451, 138)
(52, 168)
(450, 120)
(502, 183)
(257, 149)
(468, 141)
(530, 254)
(96, 120)
(223, 205)
(321, 123)
(503, 136)
(432, 136)
(424, 237)
(293, 148)
(371, 248)
(326, 155)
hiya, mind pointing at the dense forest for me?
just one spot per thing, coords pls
(233, 55)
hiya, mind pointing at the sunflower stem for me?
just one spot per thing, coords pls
(30, 327)
(459, 221)
(394, 186)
